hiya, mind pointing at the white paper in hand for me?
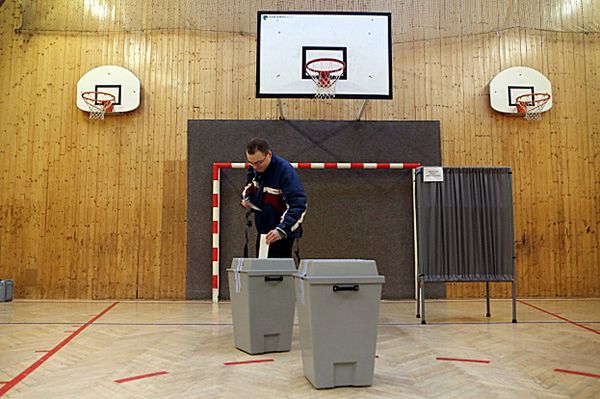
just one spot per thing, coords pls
(252, 206)
(263, 249)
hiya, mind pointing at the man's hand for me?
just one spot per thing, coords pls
(244, 204)
(273, 236)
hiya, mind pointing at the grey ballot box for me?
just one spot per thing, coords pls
(262, 304)
(338, 311)
(6, 290)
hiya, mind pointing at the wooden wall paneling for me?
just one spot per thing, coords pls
(7, 130)
(154, 173)
(224, 94)
(511, 56)
(209, 85)
(126, 203)
(104, 195)
(592, 77)
(61, 117)
(245, 65)
(111, 158)
(565, 237)
(419, 57)
(579, 195)
(433, 80)
(533, 46)
(161, 129)
(195, 68)
(53, 244)
(167, 144)
(79, 146)
(584, 169)
(496, 142)
(150, 97)
(590, 172)
(554, 274)
(403, 66)
(68, 112)
(575, 195)
(238, 69)
(15, 210)
(87, 152)
(9, 85)
(136, 59)
(558, 243)
(176, 288)
(168, 268)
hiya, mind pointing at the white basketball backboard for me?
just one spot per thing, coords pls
(288, 40)
(513, 82)
(116, 80)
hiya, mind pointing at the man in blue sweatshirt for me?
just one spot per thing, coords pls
(275, 193)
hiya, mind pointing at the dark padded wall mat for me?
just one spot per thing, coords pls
(351, 213)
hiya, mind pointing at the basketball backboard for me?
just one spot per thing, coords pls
(513, 82)
(112, 79)
(287, 41)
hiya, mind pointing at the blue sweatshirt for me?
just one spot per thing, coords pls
(278, 191)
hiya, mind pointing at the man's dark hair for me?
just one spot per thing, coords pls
(257, 144)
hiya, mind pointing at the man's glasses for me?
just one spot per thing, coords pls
(256, 163)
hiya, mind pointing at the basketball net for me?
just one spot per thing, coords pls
(99, 103)
(325, 72)
(532, 105)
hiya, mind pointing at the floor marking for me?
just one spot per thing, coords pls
(559, 317)
(391, 324)
(247, 362)
(139, 377)
(578, 373)
(456, 359)
(11, 384)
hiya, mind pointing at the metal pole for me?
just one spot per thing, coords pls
(487, 298)
(514, 301)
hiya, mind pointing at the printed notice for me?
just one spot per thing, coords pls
(433, 174)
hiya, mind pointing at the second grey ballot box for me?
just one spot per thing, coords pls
(338, 312)
(262, 304)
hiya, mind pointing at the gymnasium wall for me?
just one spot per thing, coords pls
(98, 209)
(353, 214)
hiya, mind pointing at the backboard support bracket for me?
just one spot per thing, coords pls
(362, 109)
(281, 110)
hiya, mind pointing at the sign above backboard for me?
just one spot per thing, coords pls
(287, 41)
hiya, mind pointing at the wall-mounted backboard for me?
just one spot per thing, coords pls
(513, 82)
(287, 41)
(112, 79)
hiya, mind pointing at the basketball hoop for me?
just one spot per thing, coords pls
(532, 105)
(99, 103)
(325, 72)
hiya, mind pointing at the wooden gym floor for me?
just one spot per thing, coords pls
(97, 349)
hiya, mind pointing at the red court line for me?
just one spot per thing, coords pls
(456, 359)
(559, 317)
(247, 362)
(578, 373)
(139, 377)
(11, 384)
